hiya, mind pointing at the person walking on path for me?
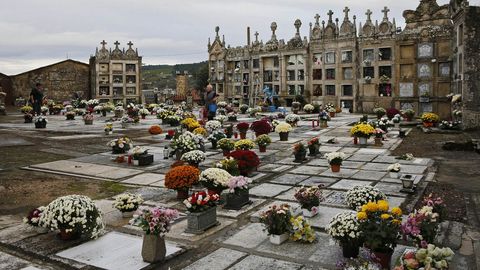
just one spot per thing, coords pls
(36, 98)
(211, 102)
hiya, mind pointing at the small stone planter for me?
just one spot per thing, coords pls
(277, 239)
(393, 175)
(144, 160)
(236, 200)
(153, 248)
(362, 140)
(198, 223)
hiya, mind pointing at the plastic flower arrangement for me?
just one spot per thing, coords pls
(394, 167)
(215, 178)
(76, 214)
(277, 219)
(263, 140)
(238, 183)
(283, 127)
(345, 228)
(292, 119)
(421, 226)
(155, 130)
(379, 111)
(247, 160)
(230, 165)
(200, 131)
(213, 125)
(261, 127)
(308, 108)
(313, 141)
(201, 201)
(127, 202)
(243, 127)
(194, 156)
(33, 217)
(245, 144)
(309, 197)
(335, 158)
(437, 204)
(226, 144)
(380, 226)
(155, 221)
(181, 177)
(143, 111)
(121, 144)
(362, 130)
(430, 118)
(190, 123)
(216, 135)
(302, 230)
(360, 195)
(26, 109)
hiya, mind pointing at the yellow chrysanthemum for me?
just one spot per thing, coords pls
(364, 208)
(361, 215)
(385, 216)
(382, 205)
(372, 207)
(396, 221)
(397, 211)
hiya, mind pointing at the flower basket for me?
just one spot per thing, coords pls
(237, 199)
(153, 248)
(283, 136)
(199, 222)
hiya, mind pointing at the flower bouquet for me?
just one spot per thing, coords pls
(283, 129)
(429, 257)
(213, 125)
(26, 109)
(155, 222)
(421, 226)
(173, 120)
(220, 118)
(237, 195)
(73, 215)
(70, 115)
(313, 146)
(242, 129)
(300, 152)
(309, 198)
(335, 159)
(393, 170)
(186, 142)
(345, 228)
(362, 131)
(302, 230)
(263, 141)
(215, 136)
(33, 217)
(429, 119)
(190, 123)
(245, 144)
(232, 116)
(360, 195)
(120, 145)
(181, 178)
(261, 127)
(194, 157)
(379, 112)
(127, 203)
(88, 119)
(226, 145)
(200, 131)
(277, 223)
(230, 165)
(143, 112)
(437, 204)
(308, 108)
(292, 119)
(215, 179)
(247, 161)
(155, 130)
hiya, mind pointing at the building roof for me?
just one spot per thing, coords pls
(51, 65)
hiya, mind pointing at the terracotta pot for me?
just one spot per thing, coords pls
(332, 114)
(355, 140)
(243, 135)
(153, 248)
(350, 251)
(283, 136)
(182, 194)
(427, 124)
(383, 258)
(67, 236)
(335, 167)
(262, 148)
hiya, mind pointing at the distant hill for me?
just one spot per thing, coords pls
(163, 76)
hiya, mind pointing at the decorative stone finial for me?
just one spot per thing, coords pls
(130, 44)
(369, 14)
(317, 18)
(217, 29)
(297, 25)
(385, 13)
(330, 13)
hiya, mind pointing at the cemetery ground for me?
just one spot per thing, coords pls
(37, 166)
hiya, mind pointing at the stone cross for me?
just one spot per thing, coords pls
(330, 13)
(216, 30)
(130, 44)
(103, 43)
(297, 25)
(256, 36)
(116, 44)
(346, 10)
(385, 13)
(317, 18)
(273, 27)
(368, 13)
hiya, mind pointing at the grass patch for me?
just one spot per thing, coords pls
(112, 187)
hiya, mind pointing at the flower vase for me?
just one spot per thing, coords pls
(237, 199)
(378, 141)
(278, 239)
(262, 148)
(283, 136)
(313, 150)
(214, 145)
(182, 193)
(199, 222)
(300, 157)
(135, 162)
(67, 236)
(153, 248)
(178, 154)
(128, 214)
(243, 135)
(335, 167)
(383, 258)
(349, 250)
(393, 175)
(362, 140)
(397, 125)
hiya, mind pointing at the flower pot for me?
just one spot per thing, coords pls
(300, 157)
(310, 213)
(153, 248)
(143, 116)
(104, 113)
(383, 258)
(117, 150)
(128, 214)
(40, 124)
(362, 140)
(278, 239)
(236, 200)
(335, 167)
(313, 150)
(332, 114)
(145, 159)
(193, 164)
(350, 251)
(262, 148)
(214, 145)
(182, 193)
(135, 162)
(28, 120)
(178, 154)
(283, 136)
(68, 236)
(355, 140)
(393, 175)
(198, 223)
(243, 135)
(378, 141)
(226, 153)
(428, 124)
(108, 132)
(88, 122)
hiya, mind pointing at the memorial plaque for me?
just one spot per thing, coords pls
(406, 89)
(444, 69)
(425, 50)
(424, 89)
(426, 107)
(406, 105)
(424, 70)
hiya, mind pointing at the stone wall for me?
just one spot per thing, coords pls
(6, 86)
(471, 86)
(61, 81)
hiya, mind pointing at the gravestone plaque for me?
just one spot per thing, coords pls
(444, 69)
(424, 89)
(406, 105)
(425, 50)
(426, 107)
(424, 70)
(406, 89)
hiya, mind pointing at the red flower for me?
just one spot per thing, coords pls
(261, 126)
(247, 160)
(243, 126)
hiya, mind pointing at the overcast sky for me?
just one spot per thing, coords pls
(40, 32)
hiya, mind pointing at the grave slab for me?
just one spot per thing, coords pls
(8, 261)
(390, 188)
(220, 259)
(372, 151)
(249, 236)
(361, 157)
(309, 170)
(288, 249)
(145, 179)
(236, 213)
(257, 262)
(319, 180)
(327, 149)
(346, 184)
(413, 169)
(376, 166)
(343, 173)
(325, 215)
(289, 179)
(268, 190)
(369, 175)
(274, 168)
(286, 161)
(114, 251)
(336, 198)
(178, 230)
(352, 164)
(318, 162)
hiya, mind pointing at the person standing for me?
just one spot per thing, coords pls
(36, 98)
(211, 102)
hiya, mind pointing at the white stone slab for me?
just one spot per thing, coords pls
(346, 184)
(343, 173)
(262, 263)
(250, 236)
(369, 175)
(220, 259)
(268, 190)
(371, 151)
(114, 250)
(145, 179)
(73, 137)
(309, 170)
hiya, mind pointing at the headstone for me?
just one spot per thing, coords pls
(406, 89)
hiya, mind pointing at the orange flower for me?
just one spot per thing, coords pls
(183, 176)
(155, 130)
